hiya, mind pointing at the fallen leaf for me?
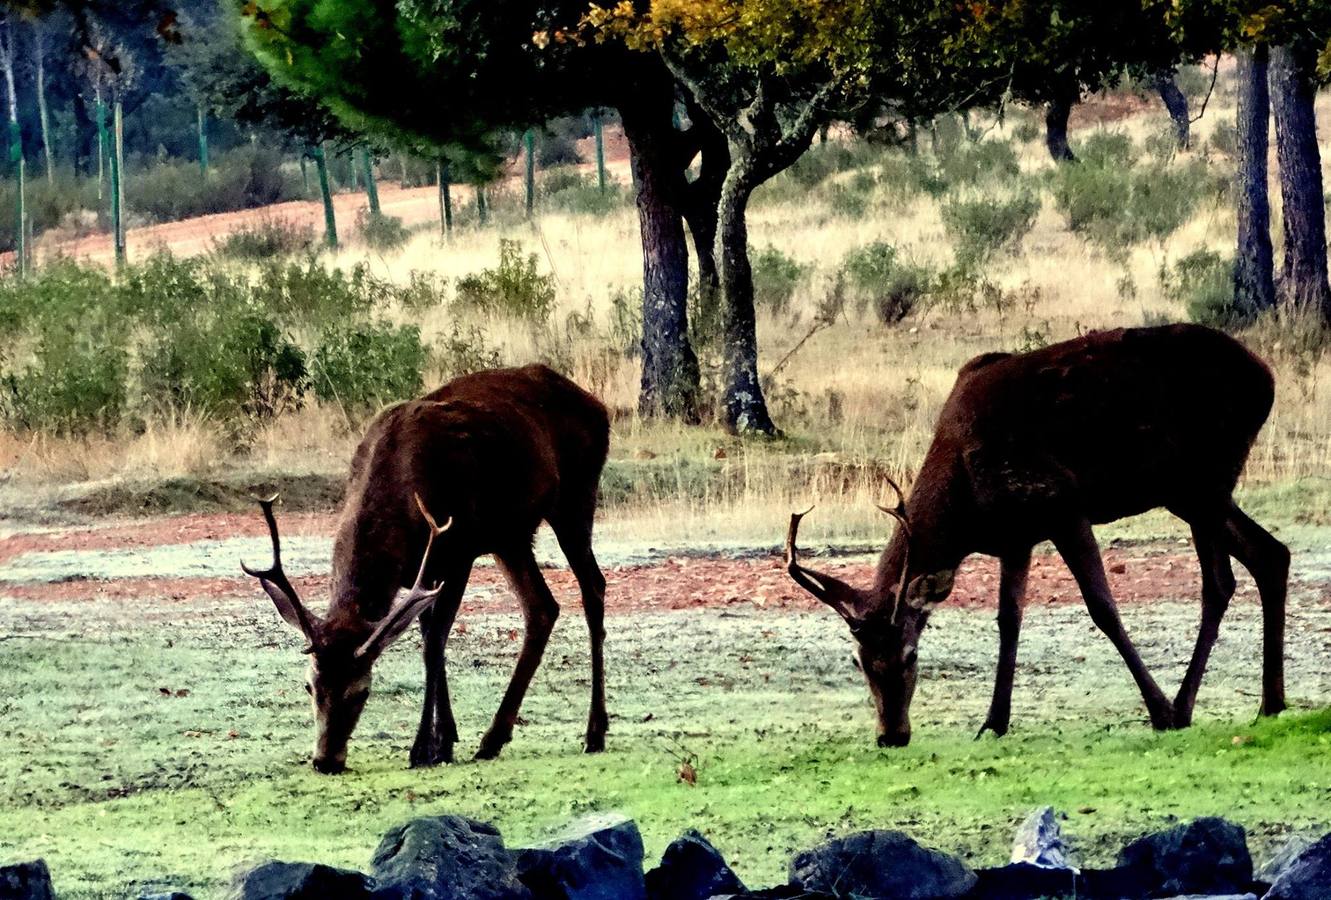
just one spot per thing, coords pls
(688, 774)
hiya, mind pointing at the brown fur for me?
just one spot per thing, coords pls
(1043, 445)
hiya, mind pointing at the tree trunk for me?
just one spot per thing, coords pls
(670, 376)
(1303, 278)
(529, 178)
(1254, 284)
(700, 210)
(371, 188)
(43, 114)
(1056, 116)
(83, 128)
(326, 194)
(1176, 103)
(600, 151)
(445, 198)
(118, 180)
(745, 406)
(202, 128)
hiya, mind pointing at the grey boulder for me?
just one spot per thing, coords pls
(1307, 876)
(275, 880)
(445, 858)
(597, 857)
(26, 881)
(692, 869)
(1205, 856)
(881, 865)
(1039, 841)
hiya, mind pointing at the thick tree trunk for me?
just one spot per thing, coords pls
(745, 406)
(1303, 278)
(1254, 284)
(1056, 116)
(1176, 103)
(670, 376)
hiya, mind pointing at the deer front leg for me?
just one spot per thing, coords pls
(438, 731)
(540, 611)
(1267, 559)
(1217, 589)
(1080, 551)
(1011, 599)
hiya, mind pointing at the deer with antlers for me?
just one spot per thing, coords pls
(497, 452)
(1044, 445)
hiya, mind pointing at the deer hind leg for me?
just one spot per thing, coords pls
(438, 731)
(1217, 589)
(1080, 551)
(540, 611)
(1267, 559)
(575, 539)
(1011, 596)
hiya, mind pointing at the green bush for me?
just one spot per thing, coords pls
(573, 192)
(423, 290)
(979, 162)
(514, 288)
(308, 292)
(981, 226)
(1203, 281)
(66, 203)
(1107, 148)
(830, 157)
(74, 385)
(775, 278)
(463, 351)
(267, 238)
(364, 366)
(1116, 206)
(878, 278)
(243, 178)
(381, 232)
(231, 363)
(59, 294)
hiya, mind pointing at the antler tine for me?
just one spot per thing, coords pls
(898, 512)
(802, 576)
(275, 575)
(791, 532)
(435, 530)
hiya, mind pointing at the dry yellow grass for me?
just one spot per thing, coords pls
(858, 391)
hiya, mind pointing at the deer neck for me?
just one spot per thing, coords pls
(367, 573)
(937, 540)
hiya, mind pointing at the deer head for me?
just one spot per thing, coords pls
(885, 623)
(341, 653)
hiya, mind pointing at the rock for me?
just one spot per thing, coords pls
(784, 892)
(595, 858)
(275, 880)
(1205, 856)
(26, 881)
(1024, 881)
(1214, 897)
(1039, 841)
(1307, 876)
(445, 858)
(691, 869)
(1274, 867)
(881, 864)
(166, 895)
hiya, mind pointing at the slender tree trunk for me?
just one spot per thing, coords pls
(1176, 103)
(118, 180)
(1303, 278)
(371, 188)
(83, 129)
(43, 114)
(482, 211)
(1056, 116)
(103, 144)
(700, 211)
(600, 151)
(325, 193)
(445, 198)
(529, 181)
(202, 128)
(7, 50)
(745, 406)
(670, 375)
(1254, 283)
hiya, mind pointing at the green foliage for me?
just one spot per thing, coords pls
(1105, 149)
(775, 278)
(269, 237)
(978, 162)
(423, 290)
(568, 190)
(362, 366)
(981, 226)
(877, 277)
(464, 350)
(515, 288)
(825, 159)
(1116, 206)
(310, 293)
(1203, 281)
(73, 386)
(68, 203)
(379, 231)
(244, 178)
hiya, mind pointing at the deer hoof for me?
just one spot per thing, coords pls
(490, 747)
(431, 756)
(998, 728)
(595, 743)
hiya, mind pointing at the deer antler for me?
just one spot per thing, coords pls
(898, 512)
(417, 598)
(833, 591)
(275, 584)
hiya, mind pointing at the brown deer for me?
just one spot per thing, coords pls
(1042, 446)
(496, 452)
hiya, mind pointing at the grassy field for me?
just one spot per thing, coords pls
(166, 742)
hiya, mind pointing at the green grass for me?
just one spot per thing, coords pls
(120, 787)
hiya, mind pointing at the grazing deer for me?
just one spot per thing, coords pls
(1043, 445)
(497, 452)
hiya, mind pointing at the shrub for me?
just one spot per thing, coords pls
(982, 226)
(829, 157)
(232, 363)
(1203, 282)
(1107, 148)
(463, 351)
(266, 239)
(363, 366)
(308, 292)
(775, 277)
(381, 232)
(571, 191)
(74, 385)
(1117, 206)
(243, 178)
(57, 294)
(423, 290)
(978, 162)
(877, 277)
(514, 288)
(556, 150)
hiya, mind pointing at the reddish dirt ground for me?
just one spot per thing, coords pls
(1137, 574)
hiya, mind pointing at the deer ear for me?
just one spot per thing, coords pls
(926, 591)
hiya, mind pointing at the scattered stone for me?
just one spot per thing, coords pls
(275, 880)
(26, 881)
(1274, 867)
(166, 895)
(1205, 856)
(881, 864)
(1308, 876)
(596, 858)
(1024, 881)
(1039, 841)
(445, 858)
(692, 869)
